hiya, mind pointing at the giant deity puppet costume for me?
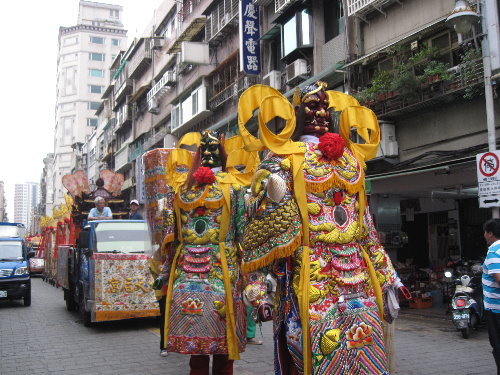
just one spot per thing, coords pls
(203, 215)
(310, 227)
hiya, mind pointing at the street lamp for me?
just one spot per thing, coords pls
(461, 19)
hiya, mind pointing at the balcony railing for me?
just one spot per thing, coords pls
(224, 15)
(362, 7)
(140, 60)
(155, 138)
(136, 150)
(465, 82)
(121, 158)
(232, 91)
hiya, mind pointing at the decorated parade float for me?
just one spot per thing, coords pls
(101, 265)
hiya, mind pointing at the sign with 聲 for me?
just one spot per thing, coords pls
(249, 37)
(488, 179)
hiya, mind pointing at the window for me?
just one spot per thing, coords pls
(69, 57)
(93, 105)
(96, 89)
(92, 122)
(333, 12)
(115, 42)
(96, 40)
(96, 73)
(297, 32)
(96, 56)
(67, 107)
(113, 13)
(68, 81)
(70, 41)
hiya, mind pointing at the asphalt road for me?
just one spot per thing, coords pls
(47, 339)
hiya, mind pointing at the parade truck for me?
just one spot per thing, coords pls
(37, 263)
(15, 281)
(101, 265)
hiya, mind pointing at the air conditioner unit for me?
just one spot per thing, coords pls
(153, 106)
(170, 79)
(156, 43)
(388, 146)
(273, 79)
(296, 71)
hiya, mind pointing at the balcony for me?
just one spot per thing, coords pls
(361, 8)
(136, 150)
(465, 82)
(123, 116)
(155, 138)
(231, 92)
(194, 27)
(141, 59)
(121, 158)
(222, 20)
(121, 89)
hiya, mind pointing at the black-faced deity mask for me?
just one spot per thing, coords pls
(210, 149)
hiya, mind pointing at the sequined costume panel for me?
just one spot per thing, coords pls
(344, 322)
(198, 311)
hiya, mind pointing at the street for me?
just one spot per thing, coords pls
(47, 339)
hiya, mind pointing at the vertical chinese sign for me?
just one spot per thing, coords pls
(249, 38)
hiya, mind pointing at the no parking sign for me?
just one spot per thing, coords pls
(488, 178)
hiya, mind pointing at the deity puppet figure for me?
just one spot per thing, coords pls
(204, 313)
(309, 226)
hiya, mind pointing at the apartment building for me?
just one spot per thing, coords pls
(3, 203)
(427, 89)
(186, 72)
(26, 199)
(86, 51)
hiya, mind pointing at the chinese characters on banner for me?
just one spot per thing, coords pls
(249, 37)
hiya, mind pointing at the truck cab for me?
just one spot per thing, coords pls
(15, 281)
(106, 275)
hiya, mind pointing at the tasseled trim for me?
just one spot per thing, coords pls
(187, 206)
(336, 181)
(277, 253)
(168, 238)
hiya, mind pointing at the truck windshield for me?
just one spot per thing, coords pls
(122, 237)
(11, 250)
(12, 231)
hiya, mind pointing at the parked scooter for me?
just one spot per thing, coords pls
(467, 302)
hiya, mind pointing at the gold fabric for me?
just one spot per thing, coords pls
(190, 139)
(340, 101)
(177, 157)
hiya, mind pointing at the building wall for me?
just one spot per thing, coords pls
(26, 198)
(98, 25)
(3, 203)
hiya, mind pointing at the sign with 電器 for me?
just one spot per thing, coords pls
(488, 178)
(249, 37)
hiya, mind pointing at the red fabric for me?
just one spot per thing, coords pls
(200, 365)
(331, 146)
(204, 175)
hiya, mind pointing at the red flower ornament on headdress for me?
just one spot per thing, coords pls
(331, 145)
(204, 175)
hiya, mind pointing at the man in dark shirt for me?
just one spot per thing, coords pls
(133, 214)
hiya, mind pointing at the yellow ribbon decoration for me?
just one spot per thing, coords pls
(175, 158)
(375, 283)
(249, 101)
(366, 124)
(190, 139)
(281, 144)
(340, 101)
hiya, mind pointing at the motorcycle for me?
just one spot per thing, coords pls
(467, 302)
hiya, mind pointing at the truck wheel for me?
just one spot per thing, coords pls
(27, 298)
(70, 301)
(465, 332)
(87, 322)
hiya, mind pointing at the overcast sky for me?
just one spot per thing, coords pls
(29, 30)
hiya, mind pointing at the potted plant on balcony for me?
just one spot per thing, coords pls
(405, 83)
(471, 72)
(381, 84)
(436, 71)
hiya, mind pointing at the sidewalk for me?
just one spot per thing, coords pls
(437, 313)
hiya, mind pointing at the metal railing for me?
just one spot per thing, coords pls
(224, 14)
(232, 91)
(140, 59)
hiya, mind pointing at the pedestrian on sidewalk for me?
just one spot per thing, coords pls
(491, 285)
